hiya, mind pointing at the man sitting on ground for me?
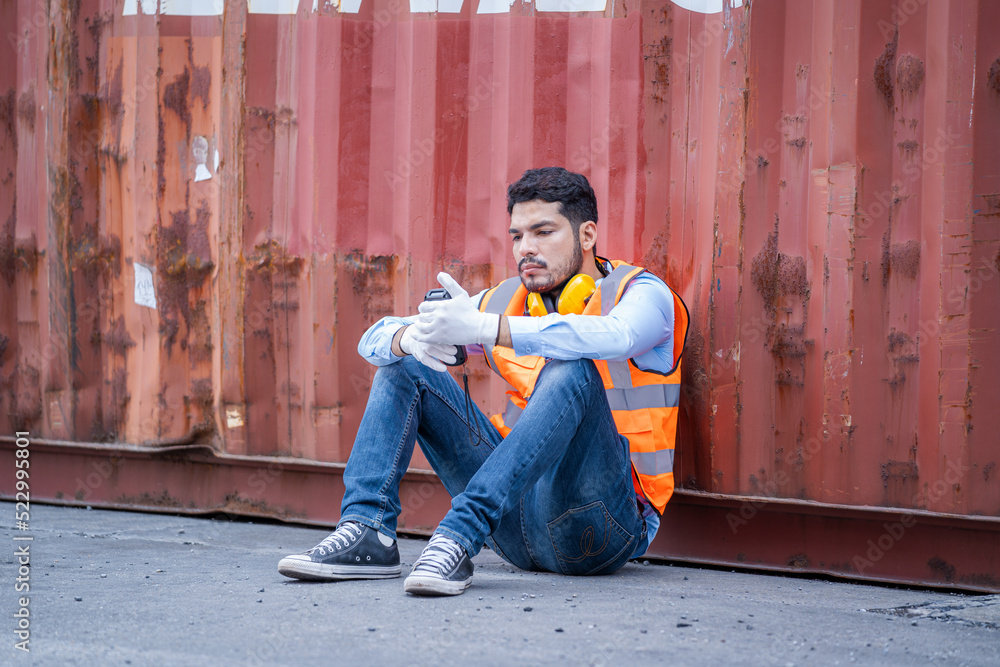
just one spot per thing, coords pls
(574, 476)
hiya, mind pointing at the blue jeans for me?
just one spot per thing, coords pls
(555, 494)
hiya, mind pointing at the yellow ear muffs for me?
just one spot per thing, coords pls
(576, 294)
(536, 307)
(572, 300)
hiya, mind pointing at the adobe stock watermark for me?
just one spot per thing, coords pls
(980, 274)
(583, 157)
(29, 27)
(714, 27)
(930, 156)
(902, 11)
(422, 150)
(260, 479)
(271, 646)
(417, 497)
(261, 136)
(893, 533)
(22, 541)
(771, 488)
(367, 32)
(87, 143)
(727, 360)
(99, 473)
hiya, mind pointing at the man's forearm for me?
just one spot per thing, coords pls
(503, 335)
(376, 345)
(396, 348)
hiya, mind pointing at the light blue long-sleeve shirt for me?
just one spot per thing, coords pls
(639, 327)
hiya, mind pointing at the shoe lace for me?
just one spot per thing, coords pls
(339, 539)
(441, 555)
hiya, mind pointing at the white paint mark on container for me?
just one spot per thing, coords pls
(145, 293)
(442, 6)
(273, 6)
(707, 6)
(494, 6)
(192, 7)
(570, 5)
(132, 7)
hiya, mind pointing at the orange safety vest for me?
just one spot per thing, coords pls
(643, 403)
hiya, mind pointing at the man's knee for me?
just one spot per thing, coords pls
(570, 371)
(409, 369)
(407, 366)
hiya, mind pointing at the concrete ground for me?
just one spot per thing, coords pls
(124, 588)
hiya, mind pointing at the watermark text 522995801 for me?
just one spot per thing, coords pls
(22, 540)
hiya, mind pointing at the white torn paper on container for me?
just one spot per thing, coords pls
(234, 417)
(199, 148)
(145, 294)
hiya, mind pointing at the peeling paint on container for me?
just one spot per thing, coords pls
(820, 182)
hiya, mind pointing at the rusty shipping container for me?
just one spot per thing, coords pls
(204, 204)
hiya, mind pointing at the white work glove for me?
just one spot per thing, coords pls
(454, 321)
(432, 355)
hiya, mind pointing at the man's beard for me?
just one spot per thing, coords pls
(555, 282)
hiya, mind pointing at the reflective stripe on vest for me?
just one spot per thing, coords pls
(650, 396)
(609, 297)
(511, 413)
(644, 404)
(621, 376)
(499, 297)
(653, 463)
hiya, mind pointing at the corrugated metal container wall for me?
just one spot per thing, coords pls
(847, 323)
(817, 179)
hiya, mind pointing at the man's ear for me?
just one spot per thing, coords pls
(588, 235)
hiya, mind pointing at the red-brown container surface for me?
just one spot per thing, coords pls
(200, 215)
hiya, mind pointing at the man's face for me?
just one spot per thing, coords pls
(546, 249)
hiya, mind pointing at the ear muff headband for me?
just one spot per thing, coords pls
(572, 300)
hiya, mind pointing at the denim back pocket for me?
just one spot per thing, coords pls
(587, 540)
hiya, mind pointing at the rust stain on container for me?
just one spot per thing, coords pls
(885, 67)
(184, 262)
(658, 56)
(904, 258)
(287, 183)
(909, 73)
(776, 275)
(993, 77)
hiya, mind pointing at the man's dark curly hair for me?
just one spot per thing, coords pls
(576, 198)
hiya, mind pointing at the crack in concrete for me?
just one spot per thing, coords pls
(982, 612)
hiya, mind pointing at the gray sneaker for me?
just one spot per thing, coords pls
(353, 551)
(442, 569)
